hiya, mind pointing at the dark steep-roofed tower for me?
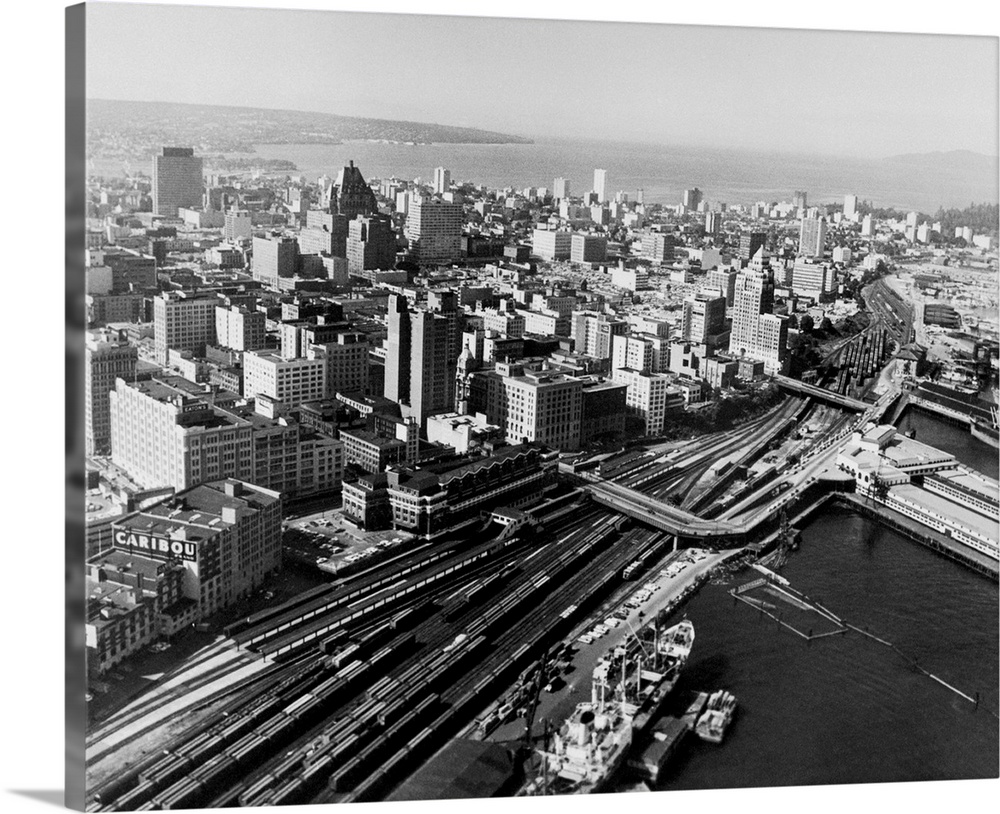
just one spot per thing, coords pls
(353, 196)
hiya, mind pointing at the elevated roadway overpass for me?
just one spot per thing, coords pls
(821, 394)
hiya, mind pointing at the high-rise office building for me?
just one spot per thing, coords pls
(816, 280)
(600, 185)
(799, 201)
(274, 257)
(592, 333)
(177, 181)
(371, 243)
(434, 229)
(183, 323)
(658, 247)
(108, 356)
(290, 381)
(421, 358)
(442, 181)
(812, 237)
(560, 189)
(704, 316)
(540, 406)
(756, 332)
(750, 242)
(239, 328)
(724, 281)
(691, 199)
(588, 248)
(713, 222)
(167, 432)
(850, 206)
(867, 226)
(237, 226)
(352, 196)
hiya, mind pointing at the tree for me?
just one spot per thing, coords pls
(806, 324)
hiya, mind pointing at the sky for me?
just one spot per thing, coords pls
(821, 92)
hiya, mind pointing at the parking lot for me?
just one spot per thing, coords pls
(333, 544)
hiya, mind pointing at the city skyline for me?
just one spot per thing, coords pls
(859, 100)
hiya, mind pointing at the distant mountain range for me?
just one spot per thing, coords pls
(138, 129)
(952, 159)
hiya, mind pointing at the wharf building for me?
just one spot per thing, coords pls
(184, 323)
(434, 230)
(421, 355)
(177, 181)
(925, 484)
(429, 501)
(812, 237)
(108, 356)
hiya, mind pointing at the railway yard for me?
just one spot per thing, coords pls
(343, 690)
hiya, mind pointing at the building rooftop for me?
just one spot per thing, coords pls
(947, 508)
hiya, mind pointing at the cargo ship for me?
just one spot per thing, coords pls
(630, 684)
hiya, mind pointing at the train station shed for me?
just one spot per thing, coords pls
(462, 769)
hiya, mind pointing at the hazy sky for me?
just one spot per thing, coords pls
(846, 93)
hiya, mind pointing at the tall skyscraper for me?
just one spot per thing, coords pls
(442, 181)
(812, 237)
(434, 229)
(422, 355)
(352, 196)
(692, 197)
(560, 189)
(850, 206)
(600, 185)
(799, 199)
(274, 257)
(177, 181)
(756, 332)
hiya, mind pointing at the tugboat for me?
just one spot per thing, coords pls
(717, 717)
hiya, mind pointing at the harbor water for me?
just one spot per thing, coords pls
(663, 171)
(845, 709)
(952, 438)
